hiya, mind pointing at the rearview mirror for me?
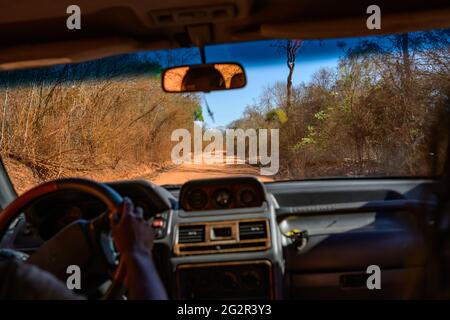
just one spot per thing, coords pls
(204, 77)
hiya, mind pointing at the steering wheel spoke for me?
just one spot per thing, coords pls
(70, 246)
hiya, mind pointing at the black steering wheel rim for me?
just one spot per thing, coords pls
(112, 199)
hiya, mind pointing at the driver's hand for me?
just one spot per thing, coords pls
(131, 234)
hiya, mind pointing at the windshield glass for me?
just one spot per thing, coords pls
(359, 107)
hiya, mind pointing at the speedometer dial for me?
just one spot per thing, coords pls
(247, 197)
(198, 199)
(223, 198)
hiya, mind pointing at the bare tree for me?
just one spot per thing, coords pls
(290, 48)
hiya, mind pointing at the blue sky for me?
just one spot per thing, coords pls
(229, 105)
(264, 65)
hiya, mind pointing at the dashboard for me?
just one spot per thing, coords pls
(204, 195)
(239, 238)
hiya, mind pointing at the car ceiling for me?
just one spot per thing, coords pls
(35, 34)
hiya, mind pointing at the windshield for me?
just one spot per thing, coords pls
(359, 107)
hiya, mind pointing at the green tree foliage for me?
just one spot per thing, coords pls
(198, 114)
(380, 112)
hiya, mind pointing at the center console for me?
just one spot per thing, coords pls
(228, 280)
(225, 243)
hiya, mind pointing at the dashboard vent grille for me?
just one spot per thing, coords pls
(244, 236)
(252, 230)
(191, 234)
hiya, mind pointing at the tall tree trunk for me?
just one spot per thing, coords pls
(406, 59)
(289, 88)
(290, 48)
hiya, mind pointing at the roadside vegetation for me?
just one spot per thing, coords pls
(90, 121)
(382, 111)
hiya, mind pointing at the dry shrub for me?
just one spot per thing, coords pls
(93, 129)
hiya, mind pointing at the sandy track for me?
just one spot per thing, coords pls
(181, 173)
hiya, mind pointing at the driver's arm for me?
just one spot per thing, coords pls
(22, 281)
(134, 240)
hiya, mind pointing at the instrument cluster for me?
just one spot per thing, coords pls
(223, 193)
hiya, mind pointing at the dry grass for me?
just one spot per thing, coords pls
(104, 130)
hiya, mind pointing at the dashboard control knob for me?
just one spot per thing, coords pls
(299, 238)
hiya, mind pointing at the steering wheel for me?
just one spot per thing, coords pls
(80, 242)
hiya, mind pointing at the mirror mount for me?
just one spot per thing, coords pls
(200, 35)
(202, 54)
(203, 77)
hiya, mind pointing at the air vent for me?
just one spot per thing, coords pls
(223, 237)
(252, 230)
(191, 234)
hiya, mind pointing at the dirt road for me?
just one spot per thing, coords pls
(181, 173)
(23, 178)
